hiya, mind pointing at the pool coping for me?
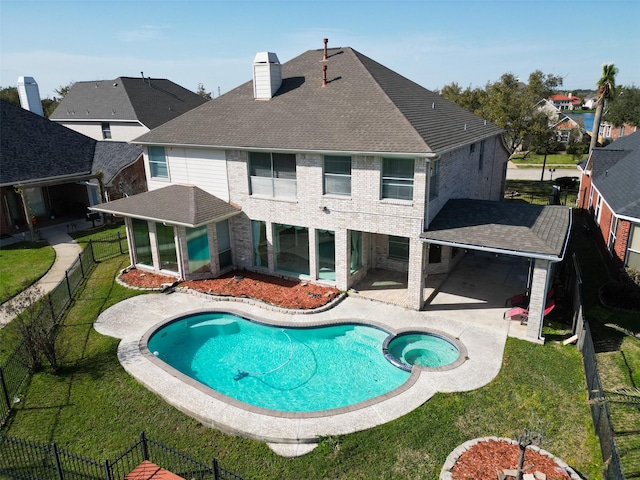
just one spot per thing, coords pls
(410, 382)
(132, 318)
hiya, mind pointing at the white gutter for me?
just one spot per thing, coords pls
(46, 180)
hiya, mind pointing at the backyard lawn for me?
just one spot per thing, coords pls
(96, 409)
(22, 264)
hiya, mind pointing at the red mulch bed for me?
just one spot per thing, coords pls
(485, 459)
(273, 290)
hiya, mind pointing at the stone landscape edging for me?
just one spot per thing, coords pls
(452, 458)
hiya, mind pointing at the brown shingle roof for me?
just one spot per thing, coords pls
(515, 228)
(365, 107)
(185, 205)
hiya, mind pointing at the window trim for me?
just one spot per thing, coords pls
(274, 175)
(391, 180)
(634, 229)
(153, 160)
(326, 174)
(396, 240)
(106, 131)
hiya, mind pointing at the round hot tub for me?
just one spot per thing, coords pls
(423, 349)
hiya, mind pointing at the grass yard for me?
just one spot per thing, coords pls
(83, 237)
(21, 264)
(552, 159)
(95, 408)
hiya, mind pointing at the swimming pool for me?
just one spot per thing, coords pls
(294, 370)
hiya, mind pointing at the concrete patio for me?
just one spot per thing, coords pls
(478, 286)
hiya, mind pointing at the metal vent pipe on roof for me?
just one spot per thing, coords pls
(324, 75)
(324, 57)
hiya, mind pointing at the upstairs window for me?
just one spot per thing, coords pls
(337, 175)
(158, 163)
(481, 158)
(106, 131)
(633, 249)
(273, 174)
(397, 178)
(434, 172)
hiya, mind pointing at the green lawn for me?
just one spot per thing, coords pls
(21, 264)
(552, 159)
(83, 237)
(95, 408)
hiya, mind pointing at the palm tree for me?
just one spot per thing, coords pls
(606, 92)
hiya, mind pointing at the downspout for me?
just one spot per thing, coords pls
(426, 213)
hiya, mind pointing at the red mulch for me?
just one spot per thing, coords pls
(485, 459)
(276, 291)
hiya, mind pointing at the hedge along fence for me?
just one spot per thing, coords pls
(15, 371)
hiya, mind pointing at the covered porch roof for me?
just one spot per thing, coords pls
(183, 205)
(532, 231)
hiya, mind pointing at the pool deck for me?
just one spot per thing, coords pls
(470, 311)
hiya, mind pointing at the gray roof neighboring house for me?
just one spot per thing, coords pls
(151, 102)
(35, 150)
(615, 172)
(533, 231)
(364, 107)
(185, 205)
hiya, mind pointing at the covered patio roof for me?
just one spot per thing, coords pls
(532, 231)
(184, 205)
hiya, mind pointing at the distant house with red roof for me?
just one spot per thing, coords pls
(566, 102)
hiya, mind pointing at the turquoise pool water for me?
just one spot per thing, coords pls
(292, 370)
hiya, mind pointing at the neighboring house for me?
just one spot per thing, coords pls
(566, 128)
(124, 108)
(609, 133)
(49, 171)
(326, 168)
(565, 102)
(590, 103)
(610, 190)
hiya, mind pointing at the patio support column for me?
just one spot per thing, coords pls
(415, 277)
(343, 258)
(130, 241)
(537, 299)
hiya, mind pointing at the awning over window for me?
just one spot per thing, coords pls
(184, 205)
(532, 231)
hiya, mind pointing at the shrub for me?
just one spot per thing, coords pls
(567, 183)
(623, 294)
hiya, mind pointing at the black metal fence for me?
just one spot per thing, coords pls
(15, 371)
(21, 459)
(599, 408)
(109, 246)
(563, 197)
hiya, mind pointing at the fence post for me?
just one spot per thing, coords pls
(120, 243)
(3, 385)
(145, 450)
(107, 470)
(93, 255)
(56, 457)
(53, 312)
(81, 267)
(66, 277)
(214, 462)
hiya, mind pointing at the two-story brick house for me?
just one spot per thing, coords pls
(610, 190)
(322, 168)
